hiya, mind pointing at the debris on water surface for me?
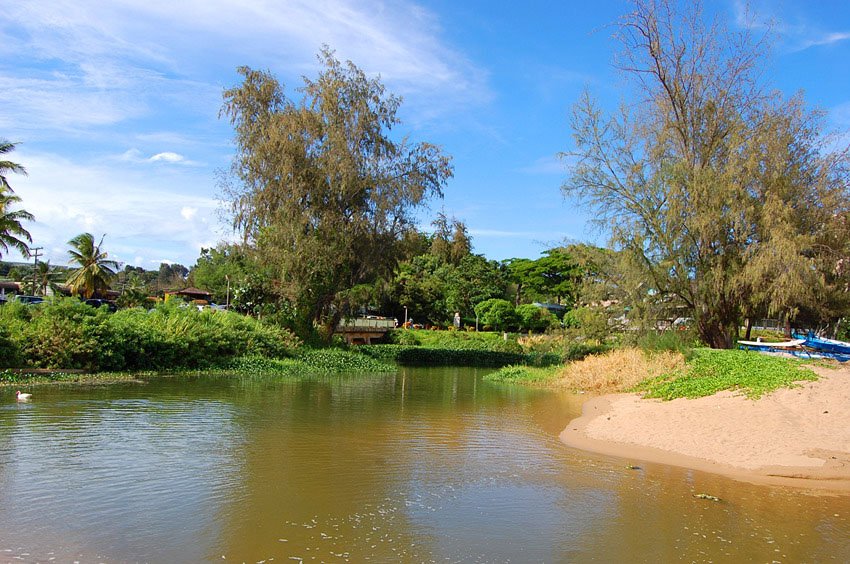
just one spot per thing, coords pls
(706, 496)
(632, 467)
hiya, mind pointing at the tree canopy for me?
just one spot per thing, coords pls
(324, 192)
(726, 196)
(94, 269)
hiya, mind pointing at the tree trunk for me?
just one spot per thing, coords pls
(749, 324)
(715, 333)
(787, 326)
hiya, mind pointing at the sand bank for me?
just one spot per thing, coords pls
(798, 436)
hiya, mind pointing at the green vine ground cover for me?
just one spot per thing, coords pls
(710, 371)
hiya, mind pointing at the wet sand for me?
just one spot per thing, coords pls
(798, 436)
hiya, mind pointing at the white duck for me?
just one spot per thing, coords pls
(22, 397)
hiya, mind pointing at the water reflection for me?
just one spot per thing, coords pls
(423, 465)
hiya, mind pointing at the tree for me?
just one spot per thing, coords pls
(47, 277)
(94, 268)
(12, 232)
(8, 166)
(324, 193)
(718, 190)
(171, 276)
(497, 313)
(220, 270)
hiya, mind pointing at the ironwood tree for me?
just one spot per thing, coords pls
(727, 196)
(324, 191)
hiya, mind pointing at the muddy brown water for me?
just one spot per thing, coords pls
(426, 465)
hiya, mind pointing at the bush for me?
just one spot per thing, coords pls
(497, 313)
(424, 356)
(534, 318)
(69, 334)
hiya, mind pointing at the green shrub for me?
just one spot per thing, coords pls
(336, 361)
(69, 334)
(497, 313)
(424, 356)
(534, 318)
(403, 337)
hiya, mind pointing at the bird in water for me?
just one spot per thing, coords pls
(22, 397)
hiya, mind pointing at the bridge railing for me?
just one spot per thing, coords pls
(366, 323)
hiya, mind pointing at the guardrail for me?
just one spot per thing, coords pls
(366, 323)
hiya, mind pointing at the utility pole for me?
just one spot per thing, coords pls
(34, 252)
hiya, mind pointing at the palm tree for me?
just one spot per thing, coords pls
(45, 277)
(12, 233)
(8, 166)
(94, 268)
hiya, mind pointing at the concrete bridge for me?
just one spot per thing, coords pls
(361, 330)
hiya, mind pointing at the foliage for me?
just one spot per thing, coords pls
(523, 375)
(711, 371)
(94, 268)
(593, 322)
(67, 334)
(673, 340)
(423, 356)
(434, 289)
(12, 232)
(554, 275)
(220, 270)
(326, 195)
(534, 318)
(497, 313)
(336, 361)
(463, 340)
(724, 197)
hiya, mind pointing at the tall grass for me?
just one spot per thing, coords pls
(617, 371)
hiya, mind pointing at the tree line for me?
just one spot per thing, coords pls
(725, 201)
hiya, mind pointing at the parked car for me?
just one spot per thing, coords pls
(29, 300)
(97, 302)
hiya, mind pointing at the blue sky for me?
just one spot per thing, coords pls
(115, 103)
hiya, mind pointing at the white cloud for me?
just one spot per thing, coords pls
(142, 213)
(114, 59)
(167, 157)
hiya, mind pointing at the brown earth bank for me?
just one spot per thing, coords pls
(798, 436)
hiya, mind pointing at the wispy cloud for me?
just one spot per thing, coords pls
(552, 165)
(795, 29)
(142, 213)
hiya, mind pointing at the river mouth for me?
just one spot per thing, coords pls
(422, 465)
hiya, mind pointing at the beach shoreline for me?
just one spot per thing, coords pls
(796, 437)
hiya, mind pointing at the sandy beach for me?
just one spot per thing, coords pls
(798, 436)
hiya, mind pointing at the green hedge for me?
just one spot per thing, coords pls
(424, 356)
(67, 334)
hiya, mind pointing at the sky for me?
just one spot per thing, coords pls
(115, 104)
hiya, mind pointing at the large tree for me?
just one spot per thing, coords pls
(324, 192)
(721, 191)
(12, 232)
(94, 269)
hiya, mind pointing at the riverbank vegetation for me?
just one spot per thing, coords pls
(666, 374)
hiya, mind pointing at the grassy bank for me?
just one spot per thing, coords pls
(668, 375)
